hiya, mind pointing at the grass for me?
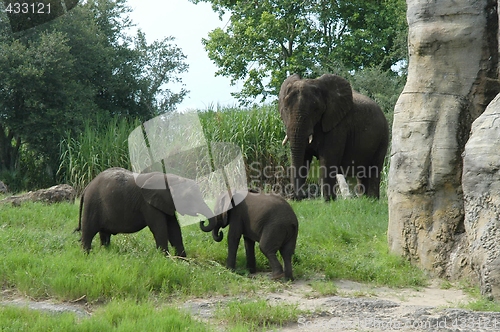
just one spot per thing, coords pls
(94, 150)
(256, 314)
(258, 132)
(124, 315)
(42, 259)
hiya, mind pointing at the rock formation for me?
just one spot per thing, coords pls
(481, 186)
(55, 194)
(452, 76)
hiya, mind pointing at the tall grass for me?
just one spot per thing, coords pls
(94, 150)
(258, 132)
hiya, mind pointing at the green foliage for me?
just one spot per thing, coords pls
(96, 149)
(259, 133)
(266, 40)
(77, 69)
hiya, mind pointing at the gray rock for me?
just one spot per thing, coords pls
(452, 76)
(481, 186)
(55, 194)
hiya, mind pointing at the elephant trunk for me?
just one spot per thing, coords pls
(298, 144)
(212, 222)
(214, 227)
(298, 175)
(217, 234)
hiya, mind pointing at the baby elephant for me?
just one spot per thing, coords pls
(264, 218)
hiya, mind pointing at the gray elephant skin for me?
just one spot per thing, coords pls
(264, 218)
(345, 130)
(117, 202)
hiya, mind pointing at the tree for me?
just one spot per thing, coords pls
(80, 66)
(266, 40)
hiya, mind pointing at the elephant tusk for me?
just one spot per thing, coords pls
(310, 138)
(285, 140)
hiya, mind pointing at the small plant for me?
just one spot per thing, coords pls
(324, 287)
(257, 314)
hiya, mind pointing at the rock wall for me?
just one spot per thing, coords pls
(452, 76)
(481, 187)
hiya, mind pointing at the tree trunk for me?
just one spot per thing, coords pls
(9, 149)
(452, 76)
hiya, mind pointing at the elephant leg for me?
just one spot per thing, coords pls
(286, 253)
(269, 249)
(328, 176)
(372, 187)
(374, 172)
(175, 235)
(89, 230)
(157, 224)
(250, 254)
(105, 238)
(233, 241)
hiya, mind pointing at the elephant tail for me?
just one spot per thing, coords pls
(79, 228)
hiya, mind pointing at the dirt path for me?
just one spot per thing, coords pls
(363, 308)
(357, 307)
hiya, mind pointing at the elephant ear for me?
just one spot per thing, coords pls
(337, 94)
(155, 191)
(187, 196)
(284, 91)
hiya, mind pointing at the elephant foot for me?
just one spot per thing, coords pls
(276, 276)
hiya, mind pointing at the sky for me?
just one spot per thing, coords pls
(188, 23)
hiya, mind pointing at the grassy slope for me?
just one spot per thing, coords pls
(42, 259)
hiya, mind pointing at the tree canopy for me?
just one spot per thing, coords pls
(80, 66)
(266, 40)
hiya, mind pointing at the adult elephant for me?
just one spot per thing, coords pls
(345, 130)
(119, 201)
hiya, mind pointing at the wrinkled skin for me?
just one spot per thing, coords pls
(345, 130)
(115, 202)
(264, 218)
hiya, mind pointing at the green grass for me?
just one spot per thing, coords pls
(258, 132)
(256, 314)
(94, 150)
(347, 239)
(42, 259)
(124, 315)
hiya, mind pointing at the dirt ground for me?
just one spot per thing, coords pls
(357, 307)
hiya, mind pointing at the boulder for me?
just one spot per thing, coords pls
(55, 194)
(481, 187)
